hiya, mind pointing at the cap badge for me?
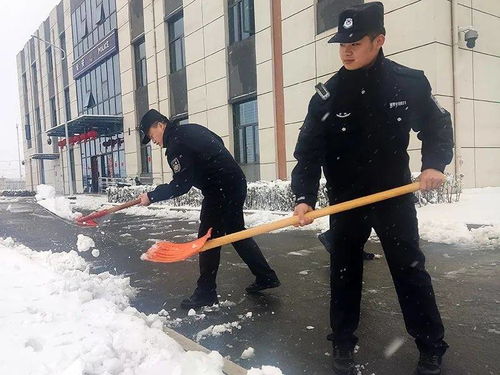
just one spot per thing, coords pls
(348, 23)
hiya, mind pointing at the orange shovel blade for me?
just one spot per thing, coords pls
(170, 252)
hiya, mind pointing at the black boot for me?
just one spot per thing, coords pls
(199, 299)
(258, 285)
(429, 364)
(343, 361)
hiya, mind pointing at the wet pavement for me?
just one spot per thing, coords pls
(288, 326)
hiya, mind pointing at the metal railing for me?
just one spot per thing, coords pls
(105, 182)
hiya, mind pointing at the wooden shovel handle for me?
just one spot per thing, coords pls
(330, 210)
(124, 205)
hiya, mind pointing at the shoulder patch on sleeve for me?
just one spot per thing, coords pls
(176, 165)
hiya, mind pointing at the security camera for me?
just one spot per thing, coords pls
(470, 36)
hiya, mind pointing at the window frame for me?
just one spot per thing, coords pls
(240, 143)
(174, 41)
(140, 63)
(241, 24)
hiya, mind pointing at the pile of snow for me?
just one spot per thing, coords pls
(266, 370)
(57, 318)
(84, 243)
(90, 202)
(46, 197)
(447, 223)
(248, 353)
(217, 330)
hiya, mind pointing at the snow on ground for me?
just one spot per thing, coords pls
(217, 330)
(57, 318)
(447, 223)
(61, 206)
(90, 202)
(84, 243)
(248, 353)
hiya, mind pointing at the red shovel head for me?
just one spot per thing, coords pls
(169, 252)
(88, 221)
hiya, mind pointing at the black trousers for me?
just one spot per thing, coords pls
(224, 214)
(395, 222)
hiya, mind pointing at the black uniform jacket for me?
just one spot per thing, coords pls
(360, 133)
(198, 158)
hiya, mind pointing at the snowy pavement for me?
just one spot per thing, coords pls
(285, 327)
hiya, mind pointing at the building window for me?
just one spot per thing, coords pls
(67, 104)
(141, 76)
(50, 64)
(53, 112)
(27, 130)
(38, 122)
(100, 16)
(146, 162)
(176, 42)
(181, 121)
(62, 44)
(327, 13)
(34, 77)
(25, 92)
(246, 132)
(103, 83)
(91, 21)
(241, 20)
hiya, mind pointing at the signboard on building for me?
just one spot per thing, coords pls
(102, 50)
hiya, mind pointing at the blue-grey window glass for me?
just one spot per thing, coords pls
(50, 63)
(241, 20)
(67, 104)
(91, 21)
(141, 78)
(176, 42)
(53, 112)
(146, 163)
(246, 130)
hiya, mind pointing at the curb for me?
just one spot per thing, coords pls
(229, 368)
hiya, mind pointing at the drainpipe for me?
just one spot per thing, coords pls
(456, 92)
(279, 101)
(157, 79)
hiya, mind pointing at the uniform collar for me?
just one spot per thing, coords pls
(168, 133)
(375, 69)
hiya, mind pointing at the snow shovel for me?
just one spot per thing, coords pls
(168, 252)
(89, 220)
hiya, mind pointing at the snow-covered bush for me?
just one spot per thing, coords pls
(277, 195)
(449, 192)
(17, 193)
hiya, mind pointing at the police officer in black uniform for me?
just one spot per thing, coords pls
(198, 158)
(357, 129)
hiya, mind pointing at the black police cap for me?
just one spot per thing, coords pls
(150, 117)
(358, 21)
